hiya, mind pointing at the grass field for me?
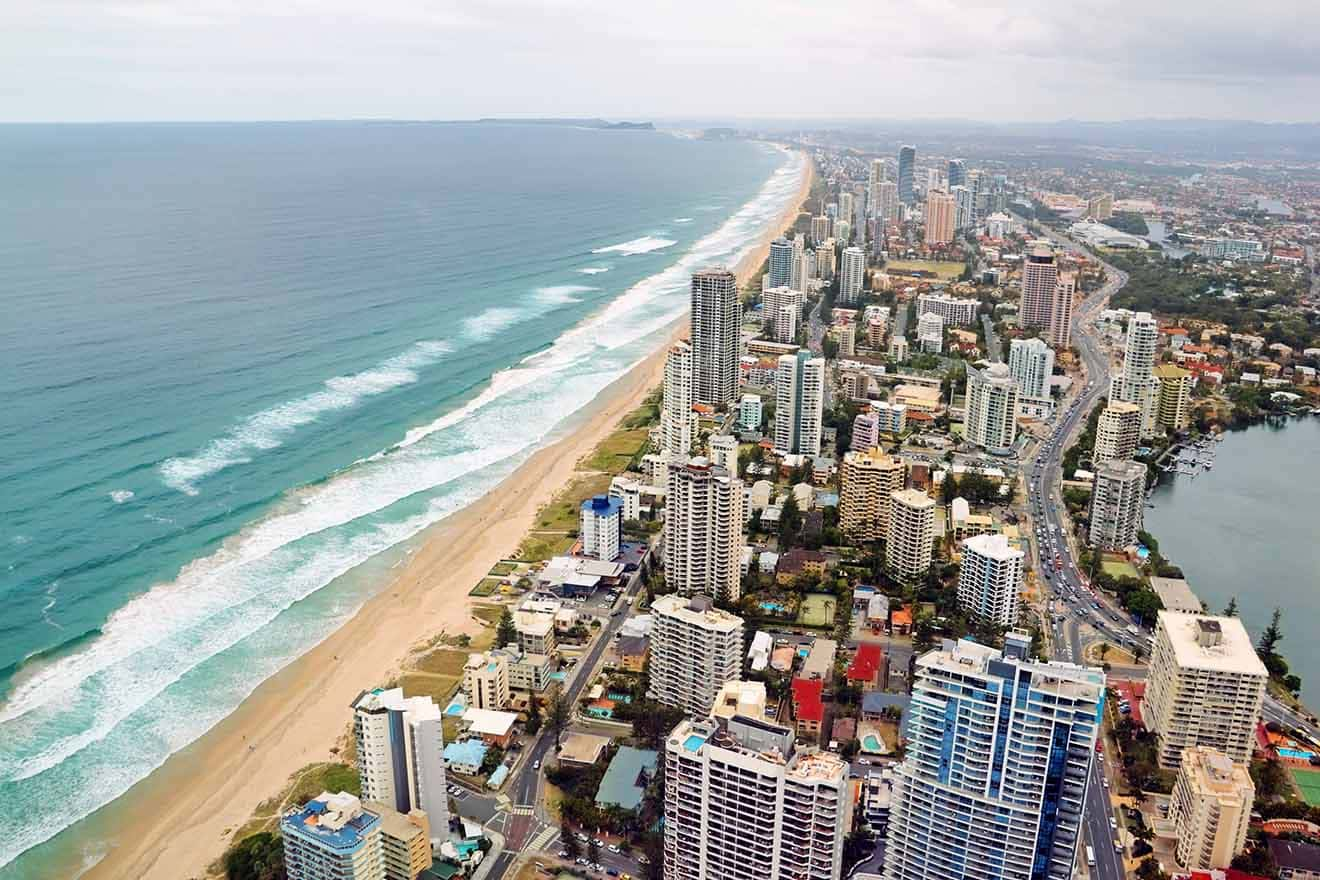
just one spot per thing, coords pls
(485, 587)
(817, 610)
(1308, 783)
(945, 270)
(1118, 568)
(616, 451)
(563, 513)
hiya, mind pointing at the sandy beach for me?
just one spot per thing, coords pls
(177, 821)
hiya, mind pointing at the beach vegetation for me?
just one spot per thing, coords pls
(505, 632)
(618, 451)
(259, 856)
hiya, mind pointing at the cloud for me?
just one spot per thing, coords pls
(1032, 59)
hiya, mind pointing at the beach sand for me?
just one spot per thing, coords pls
(178, 820)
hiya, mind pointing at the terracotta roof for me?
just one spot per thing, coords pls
(902, 616)
(807, 705)
(866, 662)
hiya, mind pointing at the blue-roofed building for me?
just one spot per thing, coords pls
(465, 757)
(332, 836)
(497, 778)
(602, 527)
(625, 779)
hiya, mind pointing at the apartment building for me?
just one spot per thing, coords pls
(1173, 408)
(992, 408)
(1117, 433)
(695, 649)
(1210, 808)
(716, 320)
(703, 537)
(868, 481)
(911, 534)
(1117, 503)
(332, 837)
(990, 579)
(400, 747)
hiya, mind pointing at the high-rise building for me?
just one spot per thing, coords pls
(486, 680)
(992, 408)
(934, 180)
(865, 432)
(911, 534)
(1117, 433)
(868, 481)
(1174, 408)
(724, 452)
(1031, 363)
(956, 311)
(930, 332)
(749, 412)
(990, 579)
(796, 279)
(400, 748)
(892, 417)
(715, 334)
(804, 270)
(1100, 207)
(886, 202)
(744, 802)
(780, 265)
(695, 648)
(1118, 497)
(962, 207)
(678, 420)
(703, 530)
(957, 172)
(843, 232)
(1211, 809)
(1205, 686)
(907, 160)
(852, 272)
(847, 209)
(1059, 329)
(405, 841)
(799, 403)
(331, 837)
(999, 752)
(940, 209)
(820, 229)
(1137, 383)
(976, 182)
(780, 309)
(1040, 277)
(602, 527)
(825, 260)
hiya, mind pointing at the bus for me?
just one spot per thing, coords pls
(1090, 857)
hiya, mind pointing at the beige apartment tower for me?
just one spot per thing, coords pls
(1210, 808)
(695, 649)
(1117, 433)
(911, 534)
(940, 210)
(1205, 686)
(868, 481)
(703, 538)
(1173, 409)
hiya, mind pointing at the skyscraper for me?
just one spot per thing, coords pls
(957, 172)
(799, 403)
(990, 579)
(886, 208)
(992, 408)
(1117, 433)
(820, 229)
(1040, 275)
(1211, 808)
(1137, 383)
(1174, 407)
(1059, 328)
(847, 208)
(998, 757)
(907, 160)
(715, 332)
(911, 534)
(852, 271)
(677, 418)
(1117, 499)
(695, 648)
(825, 260)
(780, 269)
(962, 207)
(400, 747)
(930, 332)
(939, 217)
(867, 483)
(780, 310)
(703, 530)
(744, 802)
(1031, 363)
(1205, 686)
(796, 279)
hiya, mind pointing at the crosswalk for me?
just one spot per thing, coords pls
(542, 840)
(522, 810)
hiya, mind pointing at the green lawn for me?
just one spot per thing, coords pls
(1119, 568)
(616, 451)
(564, 512)
(485, 587)
(817, 610)
(1308, 782)
(945, 270)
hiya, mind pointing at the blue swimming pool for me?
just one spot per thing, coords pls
(694, 742)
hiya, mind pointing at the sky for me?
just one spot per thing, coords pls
(1030, 60)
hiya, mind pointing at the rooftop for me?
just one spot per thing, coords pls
(1216, 644)
(807, 703)
(489, 721)
(583, 748)
(625, 780)
(698, 610)
(334, 821)
(1176, 595)
(866, 662)
(994, 547)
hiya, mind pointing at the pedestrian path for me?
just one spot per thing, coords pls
(543, 839)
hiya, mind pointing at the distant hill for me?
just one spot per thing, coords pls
(574, 123)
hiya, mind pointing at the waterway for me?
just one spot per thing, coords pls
(1248, 528)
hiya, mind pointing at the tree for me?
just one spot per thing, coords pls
(571, 845)
(558, 713)
(494, 757)
(790, 521)
(506, 633)
(948, 488)
(533, 716)
(1230, 610)
(593, 851)
(256, 857)
(1271, 637)
(1149, 869)
(1103, 651)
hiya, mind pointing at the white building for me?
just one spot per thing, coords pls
(990, 579)
(400, 748)
(955, 311)
(695, 649)
(999, 752)
(629, 493)
(724, 452)
(1137, 383)
(930, 333)
(865, 432)
(749, 412)
(852, 273)
(486, 680)
(1210, 808)
(703, 530)
(780, 263)
(911, 534)
(1205, 686)
(332, 837)
(743, 802)
(799, 404)
(677, 419)
(1031, 363)
(892, 417)
(992, 408)
(1118, 497)
(716, 318)
(602, 527)
(780, 309)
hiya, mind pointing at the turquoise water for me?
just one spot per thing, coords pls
(241, 365)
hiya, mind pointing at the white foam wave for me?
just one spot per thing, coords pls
(119, 496)
(593, 270)
(114, 700)
(270, 428)
(561, 294)
(488, 323)
(682, 219)
(643, 245)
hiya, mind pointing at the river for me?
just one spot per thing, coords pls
(1249, 528)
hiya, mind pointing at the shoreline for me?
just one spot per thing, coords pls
(177, 821)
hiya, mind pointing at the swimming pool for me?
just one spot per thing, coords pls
(774, 607)
(1296, 753)
(694, 742)
(871, 743)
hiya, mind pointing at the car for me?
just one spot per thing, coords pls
(1118, 847)
(598, 842)
(563, 853)
(1113, 823)
(581, 861)
(536, 765)
(643, 860)
(612, 872)
(582, 837)
(614, 849)
(1104, 780)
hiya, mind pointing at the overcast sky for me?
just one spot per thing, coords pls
(724, 59)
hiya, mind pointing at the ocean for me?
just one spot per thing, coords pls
(242, 364)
